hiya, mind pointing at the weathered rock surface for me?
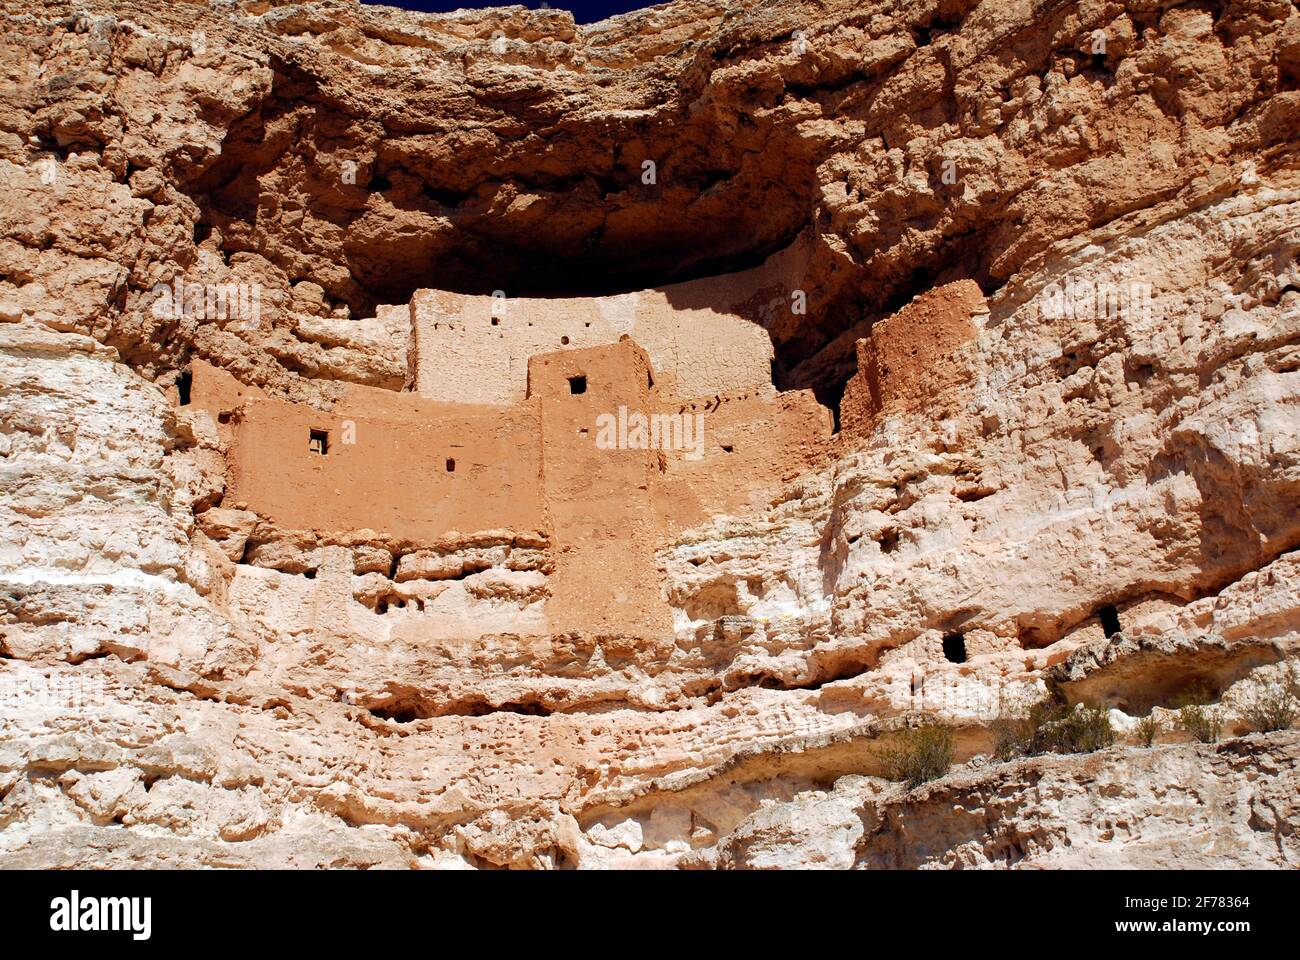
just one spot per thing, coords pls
(1193, 806)
(1048, 255)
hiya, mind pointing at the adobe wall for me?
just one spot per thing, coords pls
(393, 477)
(599, 501)
(752, 444)
(696, 343)
(904, 363)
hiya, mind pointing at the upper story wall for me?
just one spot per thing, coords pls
(906, 362)
(475, 349)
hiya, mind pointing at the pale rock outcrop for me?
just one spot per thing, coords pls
(1196, 806)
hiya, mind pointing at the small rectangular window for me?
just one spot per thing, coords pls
(577, 384)
(451, 465)
(319, 442)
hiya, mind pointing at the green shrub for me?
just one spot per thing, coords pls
(1203, 722)
(1198, 716)
(1276, 706)
(1025, 735)
(919, 754)
(1147, 729)
(1052, 727)
(1084, 729)
(1013, 736)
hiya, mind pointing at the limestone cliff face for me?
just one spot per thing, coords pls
(1037, 262)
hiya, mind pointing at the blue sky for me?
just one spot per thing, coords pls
(584, 11)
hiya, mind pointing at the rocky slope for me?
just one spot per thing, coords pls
(1085, 217)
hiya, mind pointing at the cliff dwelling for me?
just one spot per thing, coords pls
(502, 483)
(855, 434)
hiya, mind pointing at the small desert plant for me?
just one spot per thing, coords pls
(1084, 729)
(1198, 716)
(919, 754)
(1202, 721)
(1021, 735)
(1052, 727)
(1012, 737)
(1147, 729)
(1277, 705)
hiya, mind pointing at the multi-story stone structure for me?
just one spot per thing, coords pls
(566, 438)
